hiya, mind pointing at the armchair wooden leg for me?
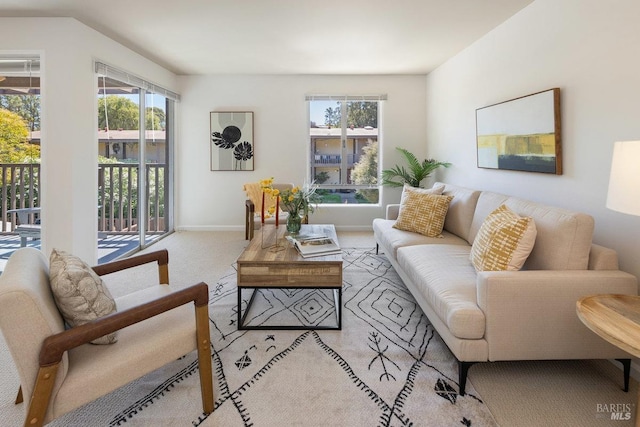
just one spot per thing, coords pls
(41, 395)
(204, 358)
(19, 398)
(246, 223)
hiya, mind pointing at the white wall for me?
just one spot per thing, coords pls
(215, 200)
(587, 48)
(69, 120)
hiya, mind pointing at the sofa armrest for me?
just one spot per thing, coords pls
(531, 315)
(392, 211)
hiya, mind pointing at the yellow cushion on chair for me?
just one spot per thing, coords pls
(254, 193)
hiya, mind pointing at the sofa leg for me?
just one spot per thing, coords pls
(463, 369)
(626, 364)
(377, 247)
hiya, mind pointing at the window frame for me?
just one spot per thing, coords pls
(344, 140)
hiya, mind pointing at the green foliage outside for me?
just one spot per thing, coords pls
(322, 177)
(14, 140)
(123, 113)
(327, 197)
(26, 106)
(398, 175)
(359, 114)
(365, 172)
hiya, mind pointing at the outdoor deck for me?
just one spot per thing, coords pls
(118, 199)
(109, 248)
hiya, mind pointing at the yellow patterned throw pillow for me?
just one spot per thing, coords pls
(504, 241)
(422, 212)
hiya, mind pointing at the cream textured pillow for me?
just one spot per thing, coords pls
(422, 213)
(79, 292)
(504, 241)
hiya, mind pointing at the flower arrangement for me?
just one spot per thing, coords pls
(297, 201)
(300, 201)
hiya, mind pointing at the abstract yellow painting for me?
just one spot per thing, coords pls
(521, 134)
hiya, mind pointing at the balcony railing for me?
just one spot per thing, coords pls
(334, 159)
(117, 196)
(19, 189)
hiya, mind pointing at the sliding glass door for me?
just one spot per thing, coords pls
(135, 139)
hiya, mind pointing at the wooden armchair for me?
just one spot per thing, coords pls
(60, 371)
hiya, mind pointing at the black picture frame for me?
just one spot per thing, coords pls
(231, 141)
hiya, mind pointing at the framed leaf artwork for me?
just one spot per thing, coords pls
(231, 140)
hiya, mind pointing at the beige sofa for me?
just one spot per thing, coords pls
(528, 314)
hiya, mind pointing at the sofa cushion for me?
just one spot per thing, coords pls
(563, 239)
(391, 238)
(406, 189)
(504, 241)
(422, 212)
(79, 292)
(461, 209)
(447, 281)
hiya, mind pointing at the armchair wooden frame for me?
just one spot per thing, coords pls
(54, 346)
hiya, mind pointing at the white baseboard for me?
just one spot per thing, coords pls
(211, 228)
(241, 228)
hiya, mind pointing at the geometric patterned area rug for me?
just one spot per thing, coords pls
(386, 367)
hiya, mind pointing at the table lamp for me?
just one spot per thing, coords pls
(624, 182)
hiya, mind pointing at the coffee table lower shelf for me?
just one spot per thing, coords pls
(337, 300)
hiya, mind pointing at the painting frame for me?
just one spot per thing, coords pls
(521, 134)
(232, 147)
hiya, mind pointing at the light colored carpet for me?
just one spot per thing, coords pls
(565, 393)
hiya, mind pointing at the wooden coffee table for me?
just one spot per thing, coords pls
(265, 268)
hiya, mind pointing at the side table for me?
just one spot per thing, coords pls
(616, 319)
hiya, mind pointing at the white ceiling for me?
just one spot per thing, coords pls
(285, 36)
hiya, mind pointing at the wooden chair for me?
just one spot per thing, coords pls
(60, 371)
(253, 207)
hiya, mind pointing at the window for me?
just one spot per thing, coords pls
(344, 137)
(19, 140)
(135, 140)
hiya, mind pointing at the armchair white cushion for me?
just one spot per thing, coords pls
(60, 371)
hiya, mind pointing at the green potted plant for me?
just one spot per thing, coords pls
(398, 175)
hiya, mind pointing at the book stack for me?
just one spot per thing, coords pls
(312, 245)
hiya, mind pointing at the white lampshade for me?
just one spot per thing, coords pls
(624, 182)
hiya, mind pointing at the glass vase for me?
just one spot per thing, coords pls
(294, 223)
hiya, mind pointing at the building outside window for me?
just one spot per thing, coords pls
(344, 138)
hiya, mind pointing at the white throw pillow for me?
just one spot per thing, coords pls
(79, 292)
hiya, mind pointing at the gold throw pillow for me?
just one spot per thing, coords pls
(504, 241)
(422, 212)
